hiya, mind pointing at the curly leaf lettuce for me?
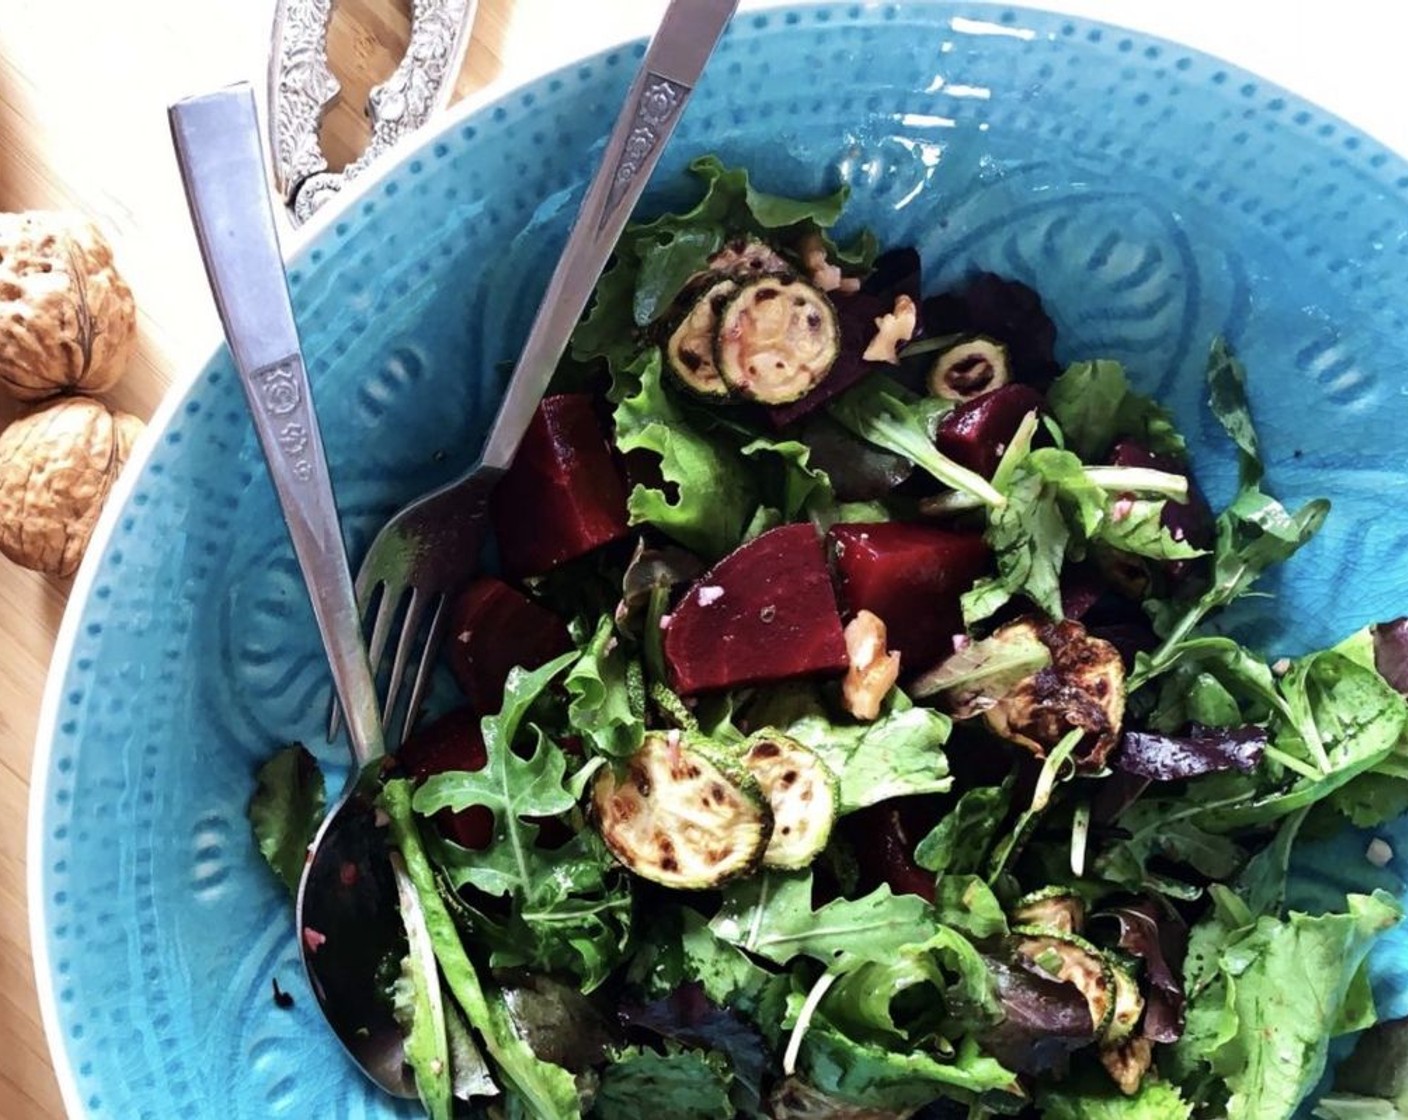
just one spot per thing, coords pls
(713, 495)
(603, 707)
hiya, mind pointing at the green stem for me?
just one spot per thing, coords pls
(1139, 480)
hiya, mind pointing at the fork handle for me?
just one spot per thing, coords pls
(678, 51)
(222, 166)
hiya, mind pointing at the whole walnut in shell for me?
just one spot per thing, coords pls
(67, 319)
(57, 467)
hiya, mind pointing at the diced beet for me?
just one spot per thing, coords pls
(1005, 310)
(563, 496)
(912, 577)
(1081, 588)
(884, 838)
(975, 433)
(452, 742)
(492, 629)
(766, 612)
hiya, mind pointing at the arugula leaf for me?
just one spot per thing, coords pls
(920, 993)
(1253, 533)
(1141, 532)
(966, 903)
(1227, 396)
(1215, 682)
(1094, 1097)
(771, 916)
(549, 1090)
(570, 906)
(980, 674)
(687, 1084)
(728, 976)
(602, 706)
(1163, 828)
(286, 810)
(1049, 495)
(959, 843)
(898, 755)
(877, 410)
(882, 1077)
(1274, 996)
(714, 493)
(1095, 406)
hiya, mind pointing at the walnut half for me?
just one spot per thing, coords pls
(873, 671)
(67, 319)
(57, 467)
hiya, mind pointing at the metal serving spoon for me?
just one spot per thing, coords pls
(349, 925)
(348, 919)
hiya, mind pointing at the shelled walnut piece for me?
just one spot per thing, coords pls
(67, 319)
(57, 466)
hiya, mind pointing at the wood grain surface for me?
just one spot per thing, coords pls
(83, 89)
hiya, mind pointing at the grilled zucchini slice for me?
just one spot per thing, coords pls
(802, 793)
(678, 818)
(1075, 961)
(777, 339)
(1057, 909)
(689, 351)
(1129, 1004)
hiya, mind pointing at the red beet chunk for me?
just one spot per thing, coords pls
(766, 612)
(563, 496)
(912, 577)
(975, 434)
(452, 742)
(492, 629)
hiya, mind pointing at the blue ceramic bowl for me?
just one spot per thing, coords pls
(1154, 196)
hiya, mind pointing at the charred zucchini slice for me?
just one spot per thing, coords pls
(689, 351)
(801, 791)
(1129, 1003)
(1073, 960)
(968, 369)
(1057, 909)
(677, 818)
(777, 339)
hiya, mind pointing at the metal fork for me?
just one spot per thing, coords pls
(426, 551)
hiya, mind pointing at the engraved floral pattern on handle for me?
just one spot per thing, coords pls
(660, 99)
(302, 88)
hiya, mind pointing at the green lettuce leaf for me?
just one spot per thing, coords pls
(898, 755)
(714, 495)
(960, 842)
(770, 915)
(1140, 531)
(688, 1084)
(967, 904)
(1094, 1097)
(421, 1017)
(603, 707)
(286, 810)
(548, 1090)
(882, 1077)
(1261, 1015)
(1095, 406)
(793, 486)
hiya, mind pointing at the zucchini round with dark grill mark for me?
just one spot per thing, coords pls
(777, 340)
(1129, 1004)
(1073, 960)
(968, 369)
(678, 818)
(1052, 908)
(689, 351)
(802, 793)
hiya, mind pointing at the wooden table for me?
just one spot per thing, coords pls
(83, 89)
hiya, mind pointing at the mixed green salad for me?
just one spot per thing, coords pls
(848, 733)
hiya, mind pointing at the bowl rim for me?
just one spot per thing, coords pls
(295, 243)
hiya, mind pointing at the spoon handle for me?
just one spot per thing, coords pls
(222, 166)
(672, 65)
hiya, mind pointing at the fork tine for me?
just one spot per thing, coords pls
(410, 627)
(426, 668)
